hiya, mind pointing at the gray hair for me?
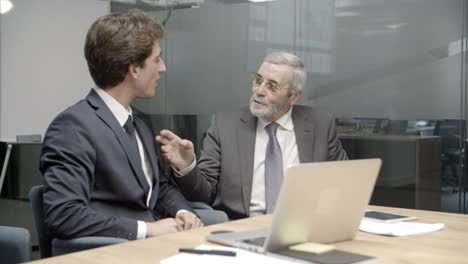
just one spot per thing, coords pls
(299, 77)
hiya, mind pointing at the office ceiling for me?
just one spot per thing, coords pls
(157, 5)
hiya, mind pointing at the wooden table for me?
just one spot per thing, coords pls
(449, 245)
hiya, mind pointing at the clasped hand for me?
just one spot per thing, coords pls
(184, 220)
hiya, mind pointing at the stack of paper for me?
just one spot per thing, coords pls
(398, 229)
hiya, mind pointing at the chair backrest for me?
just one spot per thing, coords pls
(15, 245)
(45, 241)
(451, 132)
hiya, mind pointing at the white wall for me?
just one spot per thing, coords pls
(43, 69)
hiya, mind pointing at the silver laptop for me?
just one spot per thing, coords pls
(320, 202)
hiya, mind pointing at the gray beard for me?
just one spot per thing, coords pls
(270, 110)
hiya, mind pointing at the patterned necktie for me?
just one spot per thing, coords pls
(273, 168)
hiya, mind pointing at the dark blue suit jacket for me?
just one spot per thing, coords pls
(94, 183)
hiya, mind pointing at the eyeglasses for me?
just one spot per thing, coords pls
(272, 86)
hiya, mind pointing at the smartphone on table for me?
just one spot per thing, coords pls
(386, 217)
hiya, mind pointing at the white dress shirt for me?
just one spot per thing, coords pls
(287, 141)
(121, 114)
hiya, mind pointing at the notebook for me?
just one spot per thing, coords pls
(321, 202)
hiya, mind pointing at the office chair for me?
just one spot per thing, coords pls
(397, 127)
(450, 133)
(15, 245)
(50, 246)
(208, 215)
(53, 246)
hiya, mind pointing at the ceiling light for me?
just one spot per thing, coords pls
(396, 26)
(346, 14)
(5, 6)
(258, 1)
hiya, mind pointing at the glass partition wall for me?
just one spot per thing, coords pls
(392, 72)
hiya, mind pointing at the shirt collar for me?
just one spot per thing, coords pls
(285, 121)
(120, 113)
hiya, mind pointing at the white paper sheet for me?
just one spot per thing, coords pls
(398, 229)
(243, 256)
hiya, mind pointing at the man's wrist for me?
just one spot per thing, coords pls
(187, 170)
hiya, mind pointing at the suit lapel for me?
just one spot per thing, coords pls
(246, 133)
(304, 130)
(147, 140)
(131, 152)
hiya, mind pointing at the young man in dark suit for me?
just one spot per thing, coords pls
(246, 153)
(100, 168)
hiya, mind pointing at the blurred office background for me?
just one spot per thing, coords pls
(394, 73)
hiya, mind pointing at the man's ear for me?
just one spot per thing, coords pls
(295, 97)
(134, 71)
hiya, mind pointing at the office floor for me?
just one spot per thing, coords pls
(35, 253)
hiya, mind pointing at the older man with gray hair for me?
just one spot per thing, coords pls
(245, 154)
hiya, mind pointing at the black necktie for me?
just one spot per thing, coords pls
(273, 168)
(129, 127)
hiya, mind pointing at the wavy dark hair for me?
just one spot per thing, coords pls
(115, 41)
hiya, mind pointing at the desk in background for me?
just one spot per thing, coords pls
(408, 160)
(446, 246)
(20, 171)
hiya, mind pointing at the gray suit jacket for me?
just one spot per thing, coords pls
(224, 172)
(94, 183)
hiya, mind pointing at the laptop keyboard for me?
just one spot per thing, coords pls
(258, 241)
